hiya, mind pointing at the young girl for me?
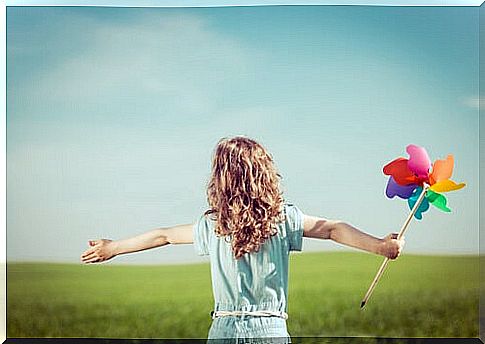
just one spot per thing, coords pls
(248, 232)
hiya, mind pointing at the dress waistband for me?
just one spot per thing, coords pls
(216, 314)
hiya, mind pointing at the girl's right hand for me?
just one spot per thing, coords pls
(100, 251)
(391, 247)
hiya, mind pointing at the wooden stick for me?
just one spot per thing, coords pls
(400, 235)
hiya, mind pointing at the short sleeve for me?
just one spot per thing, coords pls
(295, 227)
(201, 236)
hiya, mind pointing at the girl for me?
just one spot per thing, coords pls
(248, 232)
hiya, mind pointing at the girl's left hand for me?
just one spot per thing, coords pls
(391, 247)
(100, 251)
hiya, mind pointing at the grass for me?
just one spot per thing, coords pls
(418, 296)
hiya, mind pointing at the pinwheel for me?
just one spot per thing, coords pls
(409, 176)
(420, 183)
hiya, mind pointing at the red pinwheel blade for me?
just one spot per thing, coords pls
(400, 172)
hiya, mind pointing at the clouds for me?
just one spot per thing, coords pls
(474, 102)
(175, 60)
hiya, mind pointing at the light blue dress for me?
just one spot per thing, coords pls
(256, 281)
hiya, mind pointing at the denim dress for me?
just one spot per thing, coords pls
(256, 281)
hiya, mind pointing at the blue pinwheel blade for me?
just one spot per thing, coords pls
(424, 206)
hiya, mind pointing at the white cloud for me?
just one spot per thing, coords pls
(475, 102)
(174, 60)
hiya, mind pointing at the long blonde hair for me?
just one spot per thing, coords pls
(244, 194)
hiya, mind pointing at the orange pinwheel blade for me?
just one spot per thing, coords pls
(446, 185)
(442, 170)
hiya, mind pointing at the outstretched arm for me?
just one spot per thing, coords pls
(104, 249)
(344, 233)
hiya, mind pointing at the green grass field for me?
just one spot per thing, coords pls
(418, 296)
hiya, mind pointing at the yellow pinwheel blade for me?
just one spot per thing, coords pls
(446, 185)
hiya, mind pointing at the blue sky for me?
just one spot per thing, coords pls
(113, 114)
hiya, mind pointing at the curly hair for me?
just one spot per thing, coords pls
(243, 194)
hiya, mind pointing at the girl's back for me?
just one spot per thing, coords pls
(257, 281)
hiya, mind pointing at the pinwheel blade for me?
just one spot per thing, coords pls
(442, 170)
(422, 207)
(439, 201)
(419, 161)
(402, 191)
(399, 170)
(446, 185)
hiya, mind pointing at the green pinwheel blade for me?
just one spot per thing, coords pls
(438, 200)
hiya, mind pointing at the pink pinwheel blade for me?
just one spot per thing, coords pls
(419, 161)
(402, 191)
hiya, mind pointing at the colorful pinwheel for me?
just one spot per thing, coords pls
(408, 177)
